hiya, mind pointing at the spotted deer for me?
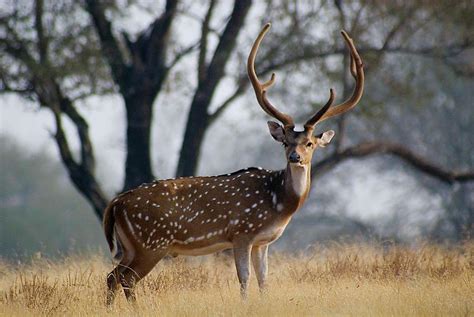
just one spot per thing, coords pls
(244, 211)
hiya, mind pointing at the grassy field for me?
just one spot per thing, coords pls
(341, 280)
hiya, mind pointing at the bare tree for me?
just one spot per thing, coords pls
(38, 76)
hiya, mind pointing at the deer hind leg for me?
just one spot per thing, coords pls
(133, 266)
(112, 286)
(260, 264)
(128, 273)
(242, 263)
(113, 278)
(137, 269)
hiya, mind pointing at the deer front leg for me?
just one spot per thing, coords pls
(260, 264)
(242, 263)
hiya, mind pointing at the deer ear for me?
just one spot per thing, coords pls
(324, 138)
(276, 130)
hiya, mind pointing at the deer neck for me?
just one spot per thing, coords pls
(295, 189)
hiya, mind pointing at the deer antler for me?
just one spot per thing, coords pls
(261, 89)
(314, 119)
(357, 71)
(326, 111)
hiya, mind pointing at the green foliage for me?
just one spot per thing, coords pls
(39, 209)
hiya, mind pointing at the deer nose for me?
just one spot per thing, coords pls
(294, 157)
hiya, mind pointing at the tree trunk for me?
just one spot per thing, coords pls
(138, 162)
(198, 121)
(91, 190)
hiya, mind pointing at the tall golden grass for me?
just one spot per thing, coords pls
(341, 280)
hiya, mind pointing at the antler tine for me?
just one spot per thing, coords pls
(261, 89)
(357, 71)
(314, 119)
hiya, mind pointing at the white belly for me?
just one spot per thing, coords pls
(208, 249)
(270, 234)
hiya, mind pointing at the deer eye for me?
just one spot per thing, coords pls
(310, 144)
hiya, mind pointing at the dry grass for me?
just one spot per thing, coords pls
(348, 280)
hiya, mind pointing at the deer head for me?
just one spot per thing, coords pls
(300, 145)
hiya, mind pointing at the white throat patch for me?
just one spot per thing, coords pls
(299, 178)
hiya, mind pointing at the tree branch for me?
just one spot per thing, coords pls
(380, 147)
(431, 51)
(178, 56)
(203, 45)
(156, 43)
(108, 41)
(55, 96)
(42, 43)
(81, 176)
(87, 154)
(241, 87)
(226, 43)
(81, 173)
(17, 50)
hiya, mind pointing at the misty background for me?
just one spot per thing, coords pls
(81, 79)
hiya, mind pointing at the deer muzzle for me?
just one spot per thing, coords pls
(294, 157)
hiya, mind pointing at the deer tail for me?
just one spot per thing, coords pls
(108, 224)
